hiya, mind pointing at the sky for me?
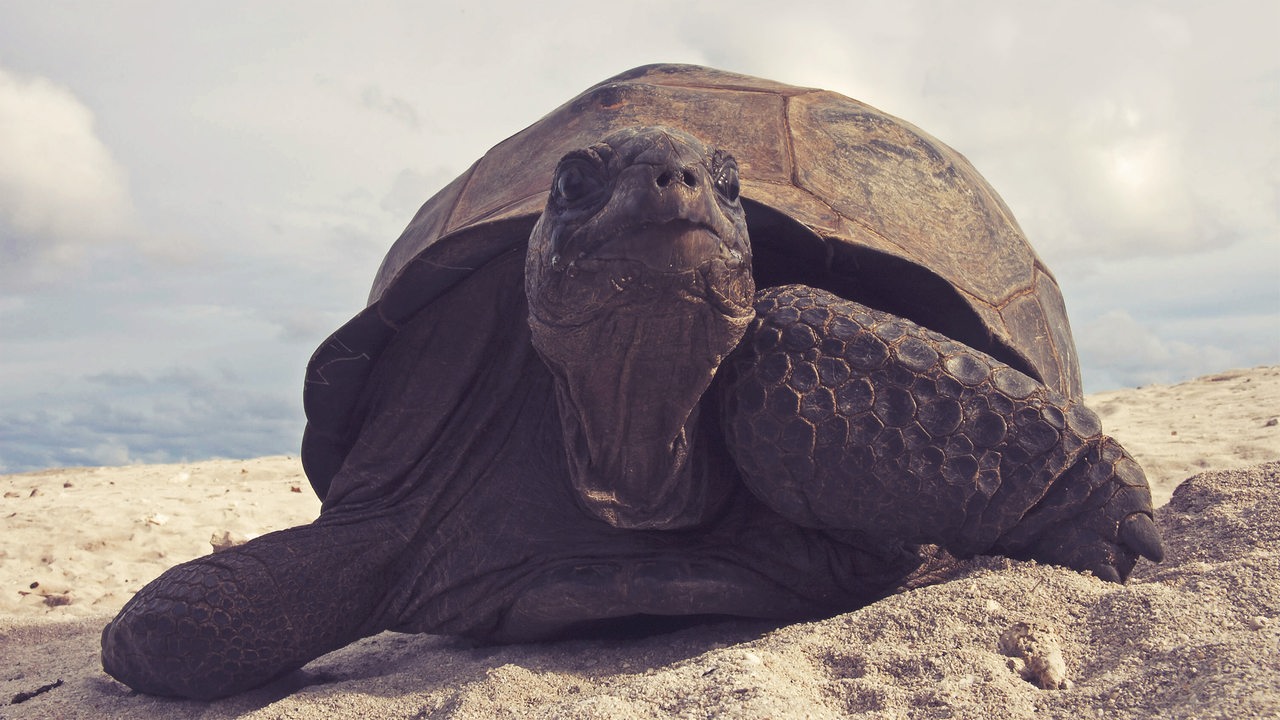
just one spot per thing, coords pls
(194, 195)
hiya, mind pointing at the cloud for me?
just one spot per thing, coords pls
(411, 188)
(372, 97)
(61, 191)
(169, 415)
(1128, 353)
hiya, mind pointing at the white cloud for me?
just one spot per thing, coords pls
(1129, 353)
(61, 191)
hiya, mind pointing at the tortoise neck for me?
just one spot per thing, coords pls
(629, 387)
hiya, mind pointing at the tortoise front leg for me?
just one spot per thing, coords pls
(841, 416)
(228, 622)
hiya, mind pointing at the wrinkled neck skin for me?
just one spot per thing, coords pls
(633, 327)
(628, 388)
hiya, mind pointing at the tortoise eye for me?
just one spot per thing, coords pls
(576, 181)
(727, 181)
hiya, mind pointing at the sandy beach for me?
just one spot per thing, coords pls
(1196, 636)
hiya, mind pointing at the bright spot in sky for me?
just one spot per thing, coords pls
(1131, 167)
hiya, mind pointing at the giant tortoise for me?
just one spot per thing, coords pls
(694, 343)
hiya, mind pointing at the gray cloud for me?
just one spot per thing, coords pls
(373, 98)
(411, 188)
(1130, 353)
(173, 415)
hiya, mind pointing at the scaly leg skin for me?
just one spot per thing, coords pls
(228, 622)
(844, 417)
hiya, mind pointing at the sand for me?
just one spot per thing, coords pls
(1197, 636)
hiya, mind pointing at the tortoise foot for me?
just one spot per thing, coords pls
(225, 623)
(177, 636)
(1096, 518)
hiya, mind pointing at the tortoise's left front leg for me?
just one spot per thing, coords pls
(841, 416)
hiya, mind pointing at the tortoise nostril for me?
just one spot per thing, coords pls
(686, 177)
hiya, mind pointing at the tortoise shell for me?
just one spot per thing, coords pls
(838, 195)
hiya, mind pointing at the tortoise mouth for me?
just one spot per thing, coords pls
(676, 246)
(595, 287)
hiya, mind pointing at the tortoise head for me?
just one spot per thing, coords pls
(638, 276)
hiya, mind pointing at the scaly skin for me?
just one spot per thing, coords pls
(227, 622)
(844, 417)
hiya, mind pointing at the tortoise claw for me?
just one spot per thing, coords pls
(1096, 518)
(1139, 534)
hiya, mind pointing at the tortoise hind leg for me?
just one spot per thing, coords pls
(841, 416)
(228, 622)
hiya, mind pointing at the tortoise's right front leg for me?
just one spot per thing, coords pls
(841, 416)
(228, 622)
